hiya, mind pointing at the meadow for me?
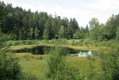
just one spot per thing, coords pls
(36, 65)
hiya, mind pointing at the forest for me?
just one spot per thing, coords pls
(23, 30)
(20, 24)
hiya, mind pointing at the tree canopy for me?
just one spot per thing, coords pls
(23, 24)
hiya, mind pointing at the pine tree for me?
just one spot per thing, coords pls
(61, 32)
(36, 33)
(20, 35)
(31, 33)
(47, 30)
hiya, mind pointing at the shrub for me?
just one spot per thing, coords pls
(11, 70)
(58, 69)
(110, 67)
(9, 67)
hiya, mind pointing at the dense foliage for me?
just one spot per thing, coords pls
(9, 68)
(110, 66)
(22, 24)
(104, 32)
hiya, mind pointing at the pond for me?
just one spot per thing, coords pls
(45, 50)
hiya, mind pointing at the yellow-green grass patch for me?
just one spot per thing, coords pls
(92, 48)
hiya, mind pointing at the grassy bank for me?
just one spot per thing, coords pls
(84, 47)
(85, 44)
(37, 64)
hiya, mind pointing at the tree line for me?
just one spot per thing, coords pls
(21, 24)
(107, 31)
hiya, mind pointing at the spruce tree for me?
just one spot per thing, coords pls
(36, 33)
(31, 33)
(47, 31)
(61, 32)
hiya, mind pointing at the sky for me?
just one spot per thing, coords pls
(82, 10)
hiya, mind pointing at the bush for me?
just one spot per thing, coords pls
(11, 70)
(110, 67)
(9, 67)
(58, 69)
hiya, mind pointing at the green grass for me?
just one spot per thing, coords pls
(33, 64)
(85, 63)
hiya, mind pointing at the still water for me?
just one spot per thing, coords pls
(45, 50)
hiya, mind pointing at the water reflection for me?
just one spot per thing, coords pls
(84, 53)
